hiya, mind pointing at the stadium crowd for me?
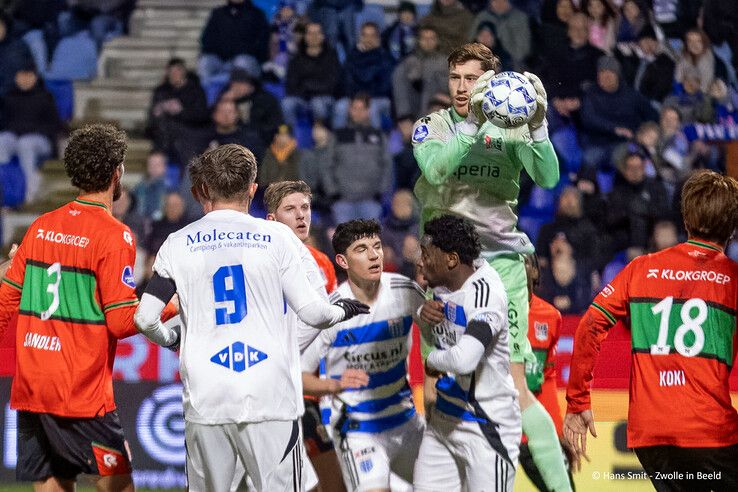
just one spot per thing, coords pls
(327, 92)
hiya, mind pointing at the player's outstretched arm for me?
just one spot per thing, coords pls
(6, 264)
(463, 357)
(350, 379)
(158, 293)
(540, 161)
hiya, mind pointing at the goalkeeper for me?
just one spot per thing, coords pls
(471, 168)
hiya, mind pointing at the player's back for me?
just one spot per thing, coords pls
(238, 353)
(74, 264)
(682, 304)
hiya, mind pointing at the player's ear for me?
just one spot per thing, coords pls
(252, 190)
(341, 261)
(270, 216)
(452, 260)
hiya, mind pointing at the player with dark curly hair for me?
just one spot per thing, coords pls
(72, 275)
(475, 421)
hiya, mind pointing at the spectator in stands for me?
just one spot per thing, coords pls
(555, 17)
(150, 192)
(406, 167)
(314, 165)
(720, 21)
(567, 284)
(225, 128)
(257, 108)
(14, 54)
(104, 19)
(633, 20)
(611, 112)
(513, 29)
(236, 35)
(281, 161)
(284, 40)
(697, 56)
(177, 105)
(665, 235)
(125, 210)
(566, 74)
(602, 24)
(649, 66)
(487, 35)
(29, 126)
(419, 76)
(338, 20)
(361, 169)
(451, 21)
(636, 203)
(693, 104)
(672, 148)
(674, 17)
(173, 219)
(570, 221)
(368, 69)
(401, 227)
(399, 38)
(593, 201)
(313, 77)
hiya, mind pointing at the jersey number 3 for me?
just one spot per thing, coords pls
(229, 287)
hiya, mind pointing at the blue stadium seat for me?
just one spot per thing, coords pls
(277, 89)
(172, 176)
(542, 201)
(531, 224)
(213, 88)
(422, 10)
(63, 92)
(605, 181)
(75, 58)
(13, 183)
(370, 13)
(303, 132)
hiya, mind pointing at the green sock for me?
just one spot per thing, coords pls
(545, 447)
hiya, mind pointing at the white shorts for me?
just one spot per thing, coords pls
(269, 451)
(481, 457)
(367, 460)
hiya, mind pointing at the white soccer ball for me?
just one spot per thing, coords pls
(510, 100)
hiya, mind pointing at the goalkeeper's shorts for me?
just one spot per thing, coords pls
(511, 269)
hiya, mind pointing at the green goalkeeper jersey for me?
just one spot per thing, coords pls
(475, 174)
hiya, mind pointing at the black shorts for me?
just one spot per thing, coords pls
(672, 468)
(65, 447)
(316, 438)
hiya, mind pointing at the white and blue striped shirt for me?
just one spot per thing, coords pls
(378, 343)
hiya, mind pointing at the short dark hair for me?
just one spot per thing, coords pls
(371, 24)
(353, 230)
(710, 206)
(474, 51)
(363, 97)
(176, 61)
(93, 154)
(276, 192)
(228, 171)
(452, 234)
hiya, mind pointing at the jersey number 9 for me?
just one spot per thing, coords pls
(229, 286)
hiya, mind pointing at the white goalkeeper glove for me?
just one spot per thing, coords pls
(476, 98)
(538, 125)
